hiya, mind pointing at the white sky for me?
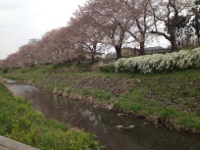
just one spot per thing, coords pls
(21, 20)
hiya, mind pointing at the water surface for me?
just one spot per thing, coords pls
(103, 123)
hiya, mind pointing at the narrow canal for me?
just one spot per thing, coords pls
(103, 123)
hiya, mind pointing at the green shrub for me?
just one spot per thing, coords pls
(107, 67)
(5, 70)
(167, 113)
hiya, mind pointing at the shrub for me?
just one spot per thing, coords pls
(5, 71)
(160, 62)
(107, 67)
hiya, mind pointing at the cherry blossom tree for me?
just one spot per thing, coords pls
(86, 34)
(108, 17)
(140, 21)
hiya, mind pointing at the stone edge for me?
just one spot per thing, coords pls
(14, 145)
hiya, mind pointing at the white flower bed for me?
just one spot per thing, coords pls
(159, 62)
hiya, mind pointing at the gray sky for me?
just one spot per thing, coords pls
(21, 20)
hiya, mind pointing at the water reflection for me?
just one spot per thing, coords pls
(103, 124)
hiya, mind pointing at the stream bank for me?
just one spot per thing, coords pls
(169, 100)
(105, 124)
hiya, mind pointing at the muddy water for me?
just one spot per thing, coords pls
(103, 123)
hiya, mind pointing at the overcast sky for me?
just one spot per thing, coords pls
(21, 20)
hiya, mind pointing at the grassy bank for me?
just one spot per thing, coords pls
(20, 122)
(171, 99)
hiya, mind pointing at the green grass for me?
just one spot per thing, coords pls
(20, 122)
(102, 94)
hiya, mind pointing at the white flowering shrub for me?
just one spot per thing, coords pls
(160, 62)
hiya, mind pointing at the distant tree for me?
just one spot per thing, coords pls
(72, 51)
(26, 55)
(11, 62)
(166, 17)
(187, 31)
(58, 46)
(42, 55)
(1, 62)
(86, 34)
(196, 19)
(50, 45)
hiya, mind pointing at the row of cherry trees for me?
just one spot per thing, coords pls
(105, 24)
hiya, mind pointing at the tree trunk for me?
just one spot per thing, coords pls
(118, 49)
(172, 40)
(78, 61)
(93, 51)
(173, 45)
(197, 27)
(92, 57)
(141, 51)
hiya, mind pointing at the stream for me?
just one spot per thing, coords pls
(103, 123)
